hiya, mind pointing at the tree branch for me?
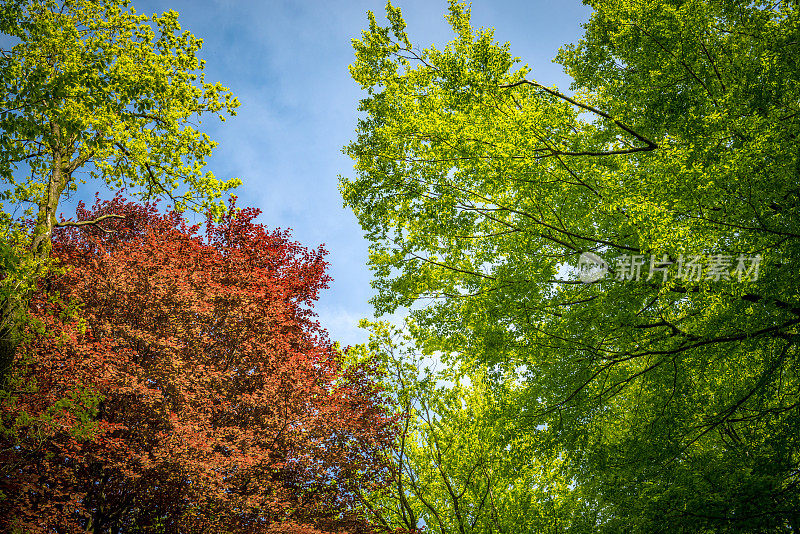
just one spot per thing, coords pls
(93, 222)
(651, 145)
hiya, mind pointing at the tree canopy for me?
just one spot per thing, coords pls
(93, 92)
(172, 381)
(672, 167)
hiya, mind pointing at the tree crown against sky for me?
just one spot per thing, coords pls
(673, 378)
(98, 90)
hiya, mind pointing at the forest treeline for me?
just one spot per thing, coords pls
(600, 286)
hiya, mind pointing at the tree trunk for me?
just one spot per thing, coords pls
(12, 311)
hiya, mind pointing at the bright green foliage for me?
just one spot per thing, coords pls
(461, 463)
(676, 397)
(95, 87)
(93, 92)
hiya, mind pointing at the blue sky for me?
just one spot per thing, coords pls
(287, 62)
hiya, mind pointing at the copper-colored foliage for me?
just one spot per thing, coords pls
(220, 404)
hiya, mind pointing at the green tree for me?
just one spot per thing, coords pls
(460, 464)
(93, 92)
(676, 392)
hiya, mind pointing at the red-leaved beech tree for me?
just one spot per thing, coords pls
(178, 382)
